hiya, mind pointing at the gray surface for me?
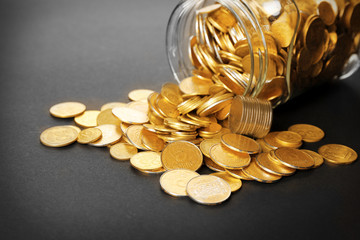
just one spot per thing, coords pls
(96, 52)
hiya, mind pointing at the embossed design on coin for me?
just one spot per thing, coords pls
(209, 190)
(240, 143)
(89, 135)
(181, 154)
(58, 136)
(308, 132)
(294, 158)
(235, 183)
(174, 181)
(338, 154)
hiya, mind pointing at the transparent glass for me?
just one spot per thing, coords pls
(270, 49)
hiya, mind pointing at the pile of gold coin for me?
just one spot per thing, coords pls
(163, 133)
(328, 33)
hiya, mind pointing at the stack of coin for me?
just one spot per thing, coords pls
(250, 116)
(221, 50)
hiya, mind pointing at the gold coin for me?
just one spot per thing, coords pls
(58, 136)
(213, 128)
(228, 158)
(309, 133)
(156, 171)
(294, 158)
(338, 154)
(139, 94)
(319, 160)
(122, 151)
(87, 119)
(195, 86)
(258, 174)
(150, 127)
(171, 92)
(223, 113)
(207, 144)
(76, 128)
(110, 135)
(67, 109)
(112, 105)
(152, 105)
(175, 124)
(89, 135)
(181, 154)
(107, 117)
(166, 108)
(129, 115)
(264, 146)
(270, 140)
(207, 189)
(240, 143)
(235, 183)
(164, 129)
(140, 106)
(289, 139)
(174, 181)
(134, 135)
(151, 141)
(124, 127)
(146, 161)
(264, 162)
(212, 165)
(239, 174)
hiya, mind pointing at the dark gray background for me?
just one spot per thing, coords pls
(96, 52)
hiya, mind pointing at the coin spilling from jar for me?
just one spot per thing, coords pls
(168, 133)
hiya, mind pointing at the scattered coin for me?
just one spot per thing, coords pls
(228, 158)
(58, 136)
(174, 181)
(235, 183)
(129, 115)
(208, 190)
(139, 94)
(67, 109)
(112, 105)
(146, 161)
(181, 154)
(294, 158)
(87, 119)
(309, 133)
(122, 151)
(258, 174)
(107, 117)
(319, 160)
(110, 134)
(338, 154)
(89, 135)
(240, 143)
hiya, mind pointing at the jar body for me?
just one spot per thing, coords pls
(269, 49)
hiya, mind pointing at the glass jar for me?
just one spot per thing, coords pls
(268, 49)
